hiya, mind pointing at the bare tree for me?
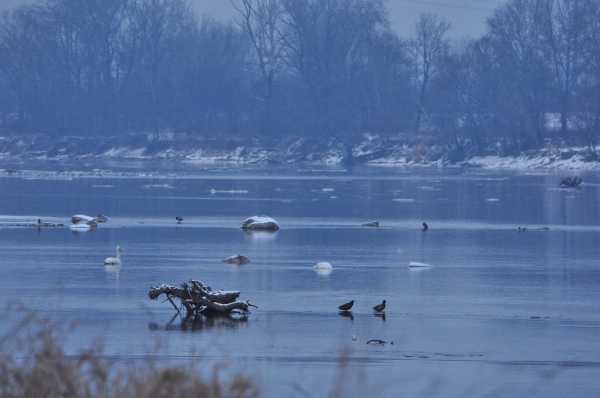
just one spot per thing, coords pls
(517, 38)
(565, 31)
(327, 45)
(590, 79)
(429, 45)
(262, 22)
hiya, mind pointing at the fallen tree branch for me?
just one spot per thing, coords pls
(198, 298)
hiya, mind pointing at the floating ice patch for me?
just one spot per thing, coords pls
(48, 177)
(260, 223)
(333, 197)
(158, 186)
(403, 200)
(327, 189)
(323, 268)
(228, 191)
(428, 188)
(102, 186)
(492, 200)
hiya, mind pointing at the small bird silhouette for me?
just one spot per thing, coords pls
(425, 227)
(179, 219)
(380, 307)
(346, 306)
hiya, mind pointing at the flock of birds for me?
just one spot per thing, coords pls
(347, 307)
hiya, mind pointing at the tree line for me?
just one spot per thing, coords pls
(302, 67)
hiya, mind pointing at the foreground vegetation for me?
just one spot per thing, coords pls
(36, 366)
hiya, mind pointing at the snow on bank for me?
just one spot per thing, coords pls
(125, 153)
(239, 155)
(568, 158)
(368, 149)
(576, 162)
(404, 161)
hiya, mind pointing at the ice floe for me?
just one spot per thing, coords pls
(260, 223)
(323, 268)
(403, 200)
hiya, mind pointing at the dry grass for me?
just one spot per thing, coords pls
(36, 366)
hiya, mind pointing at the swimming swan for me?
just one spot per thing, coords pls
(114, 260)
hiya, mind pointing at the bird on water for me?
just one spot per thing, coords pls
(179, 219)
(380, 307)
(425, 227)
(347, 306)
(114, 260)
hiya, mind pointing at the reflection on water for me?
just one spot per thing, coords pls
(201, 323)
(485, 309)
(261, 236)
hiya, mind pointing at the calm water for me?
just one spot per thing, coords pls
(499, 313)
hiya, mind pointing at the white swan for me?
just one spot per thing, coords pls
(114, 260)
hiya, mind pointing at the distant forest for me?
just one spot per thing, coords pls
(302, 68)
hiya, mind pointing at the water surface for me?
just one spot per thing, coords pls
(498, 313)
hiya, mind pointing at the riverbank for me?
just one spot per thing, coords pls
(368, 149)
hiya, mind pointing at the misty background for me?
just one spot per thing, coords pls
(466, 16)
(471, 78)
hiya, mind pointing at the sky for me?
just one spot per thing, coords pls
(468, 17)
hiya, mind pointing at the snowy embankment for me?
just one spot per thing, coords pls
(574, 159)
(368, 149)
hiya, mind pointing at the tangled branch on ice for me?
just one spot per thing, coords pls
(199, 299)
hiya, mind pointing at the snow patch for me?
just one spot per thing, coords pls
(158, 186)
(228, 191)
(126, 153)
(577, 162)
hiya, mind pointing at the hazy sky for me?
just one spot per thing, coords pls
(467, 16)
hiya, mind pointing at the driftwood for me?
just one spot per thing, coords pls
(571, 182)
(379, 342)
(237, 260)
(199, 299)
(372, 224)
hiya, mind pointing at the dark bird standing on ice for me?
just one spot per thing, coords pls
(179, 219)
(347, 306)
(425, 227)
(380, 307)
